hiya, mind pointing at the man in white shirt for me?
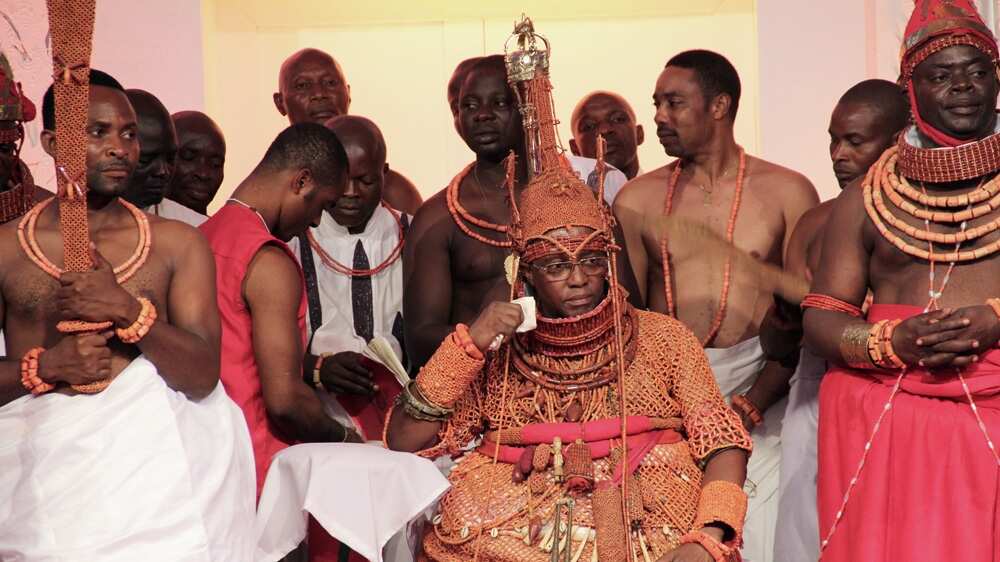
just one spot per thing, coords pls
(157, 157)
(353, 271)
(607, 114)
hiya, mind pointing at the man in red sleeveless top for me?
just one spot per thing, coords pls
(260, 289)
(910, 410)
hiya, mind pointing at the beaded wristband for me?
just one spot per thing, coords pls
(719, 551)
(317, 379)
(723, 502)
(889, 358)
(29, 372)
(832, 304)
(447, 375)
(138, 330)
(854, 346)
(748, 408)
(464, 340)
(994, 303)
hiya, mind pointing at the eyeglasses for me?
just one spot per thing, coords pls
(561, 270)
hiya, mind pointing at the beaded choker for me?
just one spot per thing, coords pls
(883, 182)
(949, 164)
(576, 353)
(17, 200)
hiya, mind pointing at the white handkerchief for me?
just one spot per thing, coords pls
(530, 321)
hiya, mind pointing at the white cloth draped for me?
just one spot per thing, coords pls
(797, 535)
(736, 368)
(134, 473)
(173, 210)
(613, 178)
(362, 495)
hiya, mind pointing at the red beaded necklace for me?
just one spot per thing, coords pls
(461, 216)
(124, 272)
(335, 265)
(720, 314)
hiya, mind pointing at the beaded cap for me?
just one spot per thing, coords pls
(555, 196)
(934, 26)
(14, 105)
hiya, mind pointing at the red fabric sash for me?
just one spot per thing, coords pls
(600, 435)
(598, 449)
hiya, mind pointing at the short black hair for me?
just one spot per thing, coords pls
(715, 75)
(308, 146)
(97, 78)
(489, 63)
(887, 97)
(456, 80)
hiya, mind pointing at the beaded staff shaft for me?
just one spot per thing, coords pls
(71, 26)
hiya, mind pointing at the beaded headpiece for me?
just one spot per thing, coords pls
(555, 196)
(14, 106)
(934, 26)
(18, 193)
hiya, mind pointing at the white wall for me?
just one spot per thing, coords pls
(149, 44)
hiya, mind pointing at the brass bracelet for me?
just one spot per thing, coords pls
(854, 346)
(419, 407)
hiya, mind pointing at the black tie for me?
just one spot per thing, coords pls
(361, 297)
(312, 288)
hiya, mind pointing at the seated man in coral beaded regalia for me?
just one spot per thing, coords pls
(453, 264)
(118, 444)
(547, 409)
(908, 423)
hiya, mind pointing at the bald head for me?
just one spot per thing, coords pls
(201, 157)
(157, 150)
(365, 148)
(886, 97)
(311, 88)
(865, 122)
(359, 133)
(609, 115)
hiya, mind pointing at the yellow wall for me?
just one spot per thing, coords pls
(398, 58)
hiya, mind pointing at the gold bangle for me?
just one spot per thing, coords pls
(317, 369)
(854, 346)
(419, 407)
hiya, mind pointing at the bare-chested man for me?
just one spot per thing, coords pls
(451, 267)
(158, 460)
(157, 157)
(607, 114)
(312, 88)
(758, 202)
(201, 159)
(925, 486)
(865, 122)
